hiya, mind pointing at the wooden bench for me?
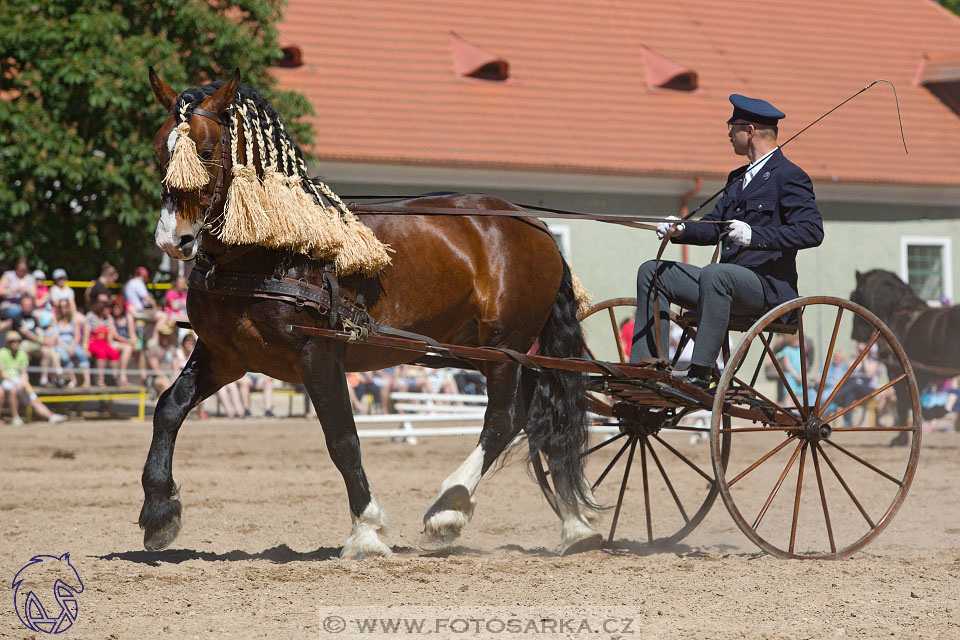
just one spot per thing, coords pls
(77, 396)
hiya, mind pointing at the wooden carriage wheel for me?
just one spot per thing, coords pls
(799, 481)
(653, 471)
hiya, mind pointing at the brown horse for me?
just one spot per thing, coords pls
(494, 281)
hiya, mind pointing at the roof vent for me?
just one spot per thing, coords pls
(663, 73)
(472, 61)
(292, 56)
(941, 76)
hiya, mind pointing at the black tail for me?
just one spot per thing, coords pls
(557, 425)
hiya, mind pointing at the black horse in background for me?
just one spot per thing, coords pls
(930, 336)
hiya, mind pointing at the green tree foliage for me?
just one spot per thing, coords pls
(78, 180)
(953, 5)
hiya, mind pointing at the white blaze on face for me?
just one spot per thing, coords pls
(172, 140)
(175, 236)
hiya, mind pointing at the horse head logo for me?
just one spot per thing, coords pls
(45, 593)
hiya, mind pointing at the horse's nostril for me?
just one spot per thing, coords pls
(185, 240)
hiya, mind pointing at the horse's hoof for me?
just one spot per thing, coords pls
(162, 537)
(435, 540)
(446, 518)
(590, 543)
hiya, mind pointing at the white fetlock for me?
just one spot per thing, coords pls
(580, 529)
(364, 539)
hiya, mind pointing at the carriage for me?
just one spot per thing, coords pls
(292, 282)
(757, 445)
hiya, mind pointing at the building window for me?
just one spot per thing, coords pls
(925, 264)
(561, 233)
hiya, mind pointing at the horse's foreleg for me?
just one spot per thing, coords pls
(505, 416)
(160, 517)
(325, 382)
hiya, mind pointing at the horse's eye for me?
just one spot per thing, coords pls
(206, 154)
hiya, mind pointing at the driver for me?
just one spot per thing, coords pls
(772, 213)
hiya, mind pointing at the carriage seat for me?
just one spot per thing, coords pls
(688, 321)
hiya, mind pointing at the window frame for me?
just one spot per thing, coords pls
(561, 233)
(946, 266)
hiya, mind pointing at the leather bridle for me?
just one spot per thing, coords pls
(210, 219)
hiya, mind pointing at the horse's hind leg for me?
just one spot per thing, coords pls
(325, 382)
(508, 399)
(160, 517)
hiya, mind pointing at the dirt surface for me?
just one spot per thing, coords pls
(265, 513)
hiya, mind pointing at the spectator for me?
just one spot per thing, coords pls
(125, 330)
(626, 335)
(100, 289)
(43, 291)
(60, 291)
(229, 397)
(160, 359)
(70, 335)
(50, 357)
(13, 381)
(256, 382)
(14, 284)
(135, 291)
(372, 384)
(26, 325)
(175, 301)
(100, 338)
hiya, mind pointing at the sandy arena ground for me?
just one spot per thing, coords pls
(265, 513)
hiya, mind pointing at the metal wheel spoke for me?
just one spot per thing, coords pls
(597, 447)
(796, 500)
(826, 364)
(756, 429)
(666, 479)
(776, 407)
(776, 487)
(852, 368)
(865, 398)
(865, 463)
(835, 429)
(610, 466)
(783, 376)
(846, 488)
(762, 459)
(689, 462)
(823, 499)
(646, 488)
(803, 363)
(623, 489)
(681, 427)
(616, 334)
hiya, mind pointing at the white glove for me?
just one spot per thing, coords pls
(669, 228)
(740, 233)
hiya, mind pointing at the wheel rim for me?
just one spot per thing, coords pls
(799, 482)
(658, 484)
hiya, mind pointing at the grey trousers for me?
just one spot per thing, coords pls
(714, 291)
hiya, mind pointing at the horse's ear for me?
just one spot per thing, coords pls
(221, 99)
(165, 95)
(859, 278)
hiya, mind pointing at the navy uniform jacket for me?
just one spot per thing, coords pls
(779, 206)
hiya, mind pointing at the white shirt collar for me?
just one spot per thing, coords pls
(755, 167)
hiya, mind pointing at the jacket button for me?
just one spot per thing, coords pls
(759, 206)
(738, 209)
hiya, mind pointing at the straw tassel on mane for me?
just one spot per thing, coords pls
(284, 208)
(186, 170)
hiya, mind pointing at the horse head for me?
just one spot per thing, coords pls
(189, 148)
(883, 293)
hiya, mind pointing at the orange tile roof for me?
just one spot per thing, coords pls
(380, 74)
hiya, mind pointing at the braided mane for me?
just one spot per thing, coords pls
(280, 205)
